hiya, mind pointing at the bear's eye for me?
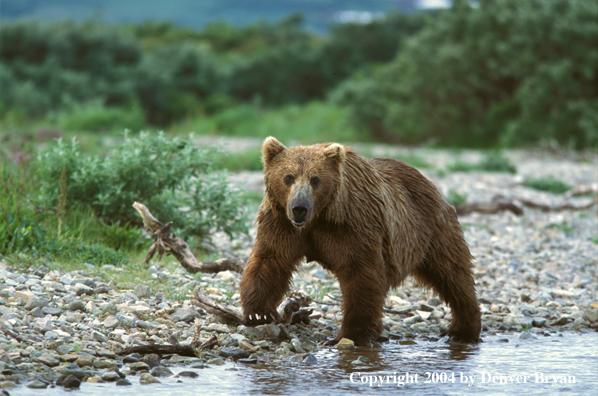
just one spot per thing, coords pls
(315, 181)
(289, 179)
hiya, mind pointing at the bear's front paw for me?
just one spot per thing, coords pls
(255, 319)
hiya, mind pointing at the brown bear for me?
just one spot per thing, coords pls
(371, 222)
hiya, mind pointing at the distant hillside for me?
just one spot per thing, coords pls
(319, 14)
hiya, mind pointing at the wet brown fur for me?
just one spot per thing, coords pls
(374, 222)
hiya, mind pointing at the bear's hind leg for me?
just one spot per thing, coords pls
(452, 279)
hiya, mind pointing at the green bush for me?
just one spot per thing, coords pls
(164, 174)
(505, 72)
(494, 161)
(95, 117)
(549, 184)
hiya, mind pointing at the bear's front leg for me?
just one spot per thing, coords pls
(265, 281)
(364, 291)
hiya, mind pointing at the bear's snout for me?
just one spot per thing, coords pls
(300, 210)
(300, 207)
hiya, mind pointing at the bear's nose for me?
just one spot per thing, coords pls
(299, 211)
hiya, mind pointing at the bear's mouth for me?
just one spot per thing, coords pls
(298, 223)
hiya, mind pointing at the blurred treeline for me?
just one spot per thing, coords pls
(503, 73)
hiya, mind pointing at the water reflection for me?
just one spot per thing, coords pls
(440, 367)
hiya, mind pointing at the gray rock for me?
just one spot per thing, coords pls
(188, 374)
(139, 366)
(527, 336)
(35, 302)
(99, 337)
(217, 327)
(52, 311)
(318, 273)
(591, 315)
(185, 315)
(37, 384)
(146, 379)
(142, 291)
(85, 361)
(76, 305)
(37, 312)
(234, 352)
(104, 364)
(123, 382)
(84, 281)
(71, 382)
(538, 322)
(272, 330)
(110, 376)
(73, 369)
(434, 302)
(65, 349)
(48, 360)
(111, 322)
(81, 289)
(161, 371)
(310, 359)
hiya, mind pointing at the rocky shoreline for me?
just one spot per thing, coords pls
(536, 275)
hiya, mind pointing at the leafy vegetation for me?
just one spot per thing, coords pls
(502, 74)
(71, 206)
(549, 184)
(492, 162)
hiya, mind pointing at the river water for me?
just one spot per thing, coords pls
(564, 363)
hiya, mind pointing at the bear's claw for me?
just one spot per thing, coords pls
(255, 319)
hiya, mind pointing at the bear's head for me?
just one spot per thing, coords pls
(301, 181)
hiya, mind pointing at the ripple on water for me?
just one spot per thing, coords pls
(569, 354)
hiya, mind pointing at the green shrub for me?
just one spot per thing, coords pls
(164, 174)
(549, 184)
(455, 198)
(95, 116)
(246, 160)
(492, 162)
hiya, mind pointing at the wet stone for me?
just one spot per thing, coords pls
(247, 361)
(345, 344)
(146, 379)
(538, 322)
(235, 353)
(71, 382)
(132, 358)
(188, 374)
(139, 366)
(161, 371)
(110, 376)
(310, 359)
(104, 364)
(123, 382)
(37, 384)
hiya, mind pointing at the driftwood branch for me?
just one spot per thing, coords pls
(501, 204)
(289, 311)
(167, 242)
(182, 350)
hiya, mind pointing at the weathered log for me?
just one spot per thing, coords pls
(500, 204)
(182, 350)
(167, 242)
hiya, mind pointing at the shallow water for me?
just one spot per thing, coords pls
(560, 364)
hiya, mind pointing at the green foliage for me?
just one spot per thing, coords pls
(292, 122)
(505, 72)
(94, 116)
(25, 228)
(120, 237)
(455, 198)
(246, 160)
(494, 161)
(549, 184)
(164, 174)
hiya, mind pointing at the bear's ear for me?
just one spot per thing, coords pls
(270, 149)
(335, 151)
